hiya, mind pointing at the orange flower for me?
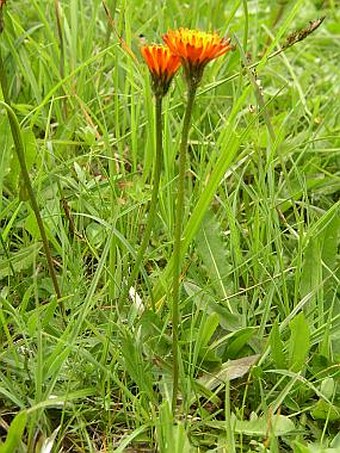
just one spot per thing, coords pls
(195, 49)
(162, 64)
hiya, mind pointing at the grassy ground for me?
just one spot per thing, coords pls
(259, 333)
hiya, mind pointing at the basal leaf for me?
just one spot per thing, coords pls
(230, 370)
(212, 251)
(18, 261)
(277, 425)
(299, 342)
(325, 411)
(240, 339)
(15, 433)
(276, 345)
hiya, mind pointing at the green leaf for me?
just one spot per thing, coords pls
(207, 330)
(330, 244)
(13, 174)
(203, 351)
(204, 301)
(233, 369)
(299, 342)
(312, 448)
(325, 411)
(171, 437)
(240, 339)
(229, 145)
(15, 433)
(5, 151)
(129, 438)
(311, 268)
(180, 440)
(19, 261)
(300, 448)
(210, 359)
(212, 251)
(277, 425)
(276, 345)
(327, 387)
(320, 253)
(329, 252)
(336, 442)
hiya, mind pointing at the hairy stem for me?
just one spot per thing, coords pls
(192, 88)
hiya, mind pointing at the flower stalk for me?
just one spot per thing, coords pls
(192, 89)
(195, 50)
(162, 65)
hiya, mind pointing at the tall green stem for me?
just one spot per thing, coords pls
(192, 88)
(20, 150)
(154, 197)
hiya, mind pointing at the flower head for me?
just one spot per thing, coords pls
(162, 64)
(195, 49)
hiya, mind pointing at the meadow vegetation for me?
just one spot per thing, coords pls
(91, 369)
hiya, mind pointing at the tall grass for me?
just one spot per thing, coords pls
(259, 335)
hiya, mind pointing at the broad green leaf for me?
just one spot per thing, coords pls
(19, 261)
(312, 448)
(325, 411)
(330, 244)
(15, 433)
(296, 193)
(336, 441)
(327, 387)
(321, 251)
(230, 370)
(276, 345)
(171, 437)
(204, 301)
(210, 359)
(13, 175)
(207, 330)
(30, 157)
(311, 268)
(134, 363)
(325, 220)
(240, 339)
(212, 251)
(202, 336)
(31, 225)
(129, 438)
(180, 441)
(300, 448)
(277, 425)
(329, 251)
(299, 342)
(95, 234)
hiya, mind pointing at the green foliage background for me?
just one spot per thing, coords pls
(261, 285)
